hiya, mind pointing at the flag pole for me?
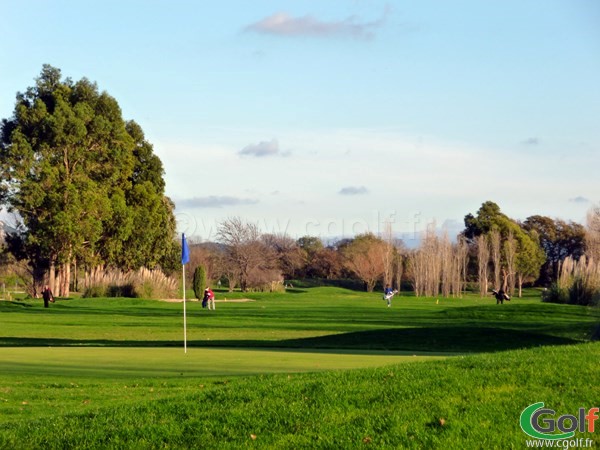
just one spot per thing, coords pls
(185, 258)
(184, 317)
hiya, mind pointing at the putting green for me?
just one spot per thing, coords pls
(111, 362)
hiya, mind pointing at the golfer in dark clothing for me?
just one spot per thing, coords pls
(47, 296)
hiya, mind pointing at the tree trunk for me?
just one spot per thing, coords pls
(504, 280)
(52, 276)
(370, 285)
(66, 279)
(57, 285)
(75, 287)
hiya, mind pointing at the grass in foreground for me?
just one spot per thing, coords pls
(463, 402)
(120, 396)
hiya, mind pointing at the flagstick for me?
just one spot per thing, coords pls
(184, 318)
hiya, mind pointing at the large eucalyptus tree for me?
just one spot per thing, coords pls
(84, 183)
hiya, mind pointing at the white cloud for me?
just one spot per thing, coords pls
(214, 201)
(263, 149)
(282, 24)
(579, 199)
(531, 141)
(353, 190)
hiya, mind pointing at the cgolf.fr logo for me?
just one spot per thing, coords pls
(540, 423)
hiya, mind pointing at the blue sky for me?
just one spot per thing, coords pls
(329, 117)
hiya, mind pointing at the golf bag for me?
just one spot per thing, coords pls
(500, 296)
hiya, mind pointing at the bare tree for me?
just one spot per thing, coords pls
(325, 263)
(592, 233)
(224, 268)
(388, 253)
(453, 259)
(365, 257)
(510, 253)
(290, 256)
(461, 257)
(203, 254)
(246, 255)
(426, 265)
(483, 261)
(399, 265)
(447, 265)
(495, 241)
(416, 265)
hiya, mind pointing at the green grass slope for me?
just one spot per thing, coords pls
(280, 371)
(463, 402)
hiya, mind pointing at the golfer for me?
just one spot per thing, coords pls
(388, 293)
(47, 296)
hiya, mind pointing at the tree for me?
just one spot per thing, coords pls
(247, 256)
(461, 261)
(69, 167)
(559, 240)
(510, 251)
(291, 258)
(438, 264)
(399, 254)
(490, 220)
(483, 261)
(199, 282)
(487, 216)
(325, 263)
(310, 244)
(592, 233)
(365, 256)
(205, 254)
(495, 244)
(149, 241)
(388, 254)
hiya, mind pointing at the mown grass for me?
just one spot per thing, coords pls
(462, 402)
(314, 318)
(116, 375)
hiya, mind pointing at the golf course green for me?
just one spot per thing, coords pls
(308, 368)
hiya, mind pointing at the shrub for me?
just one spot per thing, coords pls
(199, 282)
(578, 283)
(555, 294)
(143, 283)
(95, 290)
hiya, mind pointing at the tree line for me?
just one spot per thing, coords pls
(88, 191)
(492, 252)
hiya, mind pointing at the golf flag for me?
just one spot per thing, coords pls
(185, 251)
(185, 258)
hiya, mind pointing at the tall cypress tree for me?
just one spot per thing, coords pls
(199, 282)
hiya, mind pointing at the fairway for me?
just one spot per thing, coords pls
(132, 363)
(310, 368)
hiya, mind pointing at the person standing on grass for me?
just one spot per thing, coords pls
(47, 296)
(211, 299)
(205, 297)
(388, 293)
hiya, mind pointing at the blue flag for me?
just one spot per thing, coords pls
(185, 251)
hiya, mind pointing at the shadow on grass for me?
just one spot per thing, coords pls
(440, 339)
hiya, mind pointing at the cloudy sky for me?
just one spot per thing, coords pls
(329, 117)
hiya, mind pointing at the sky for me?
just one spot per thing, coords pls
(330, 118)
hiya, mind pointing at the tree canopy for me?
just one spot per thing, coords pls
(559, 240)
(85, 183)
(490, 221)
